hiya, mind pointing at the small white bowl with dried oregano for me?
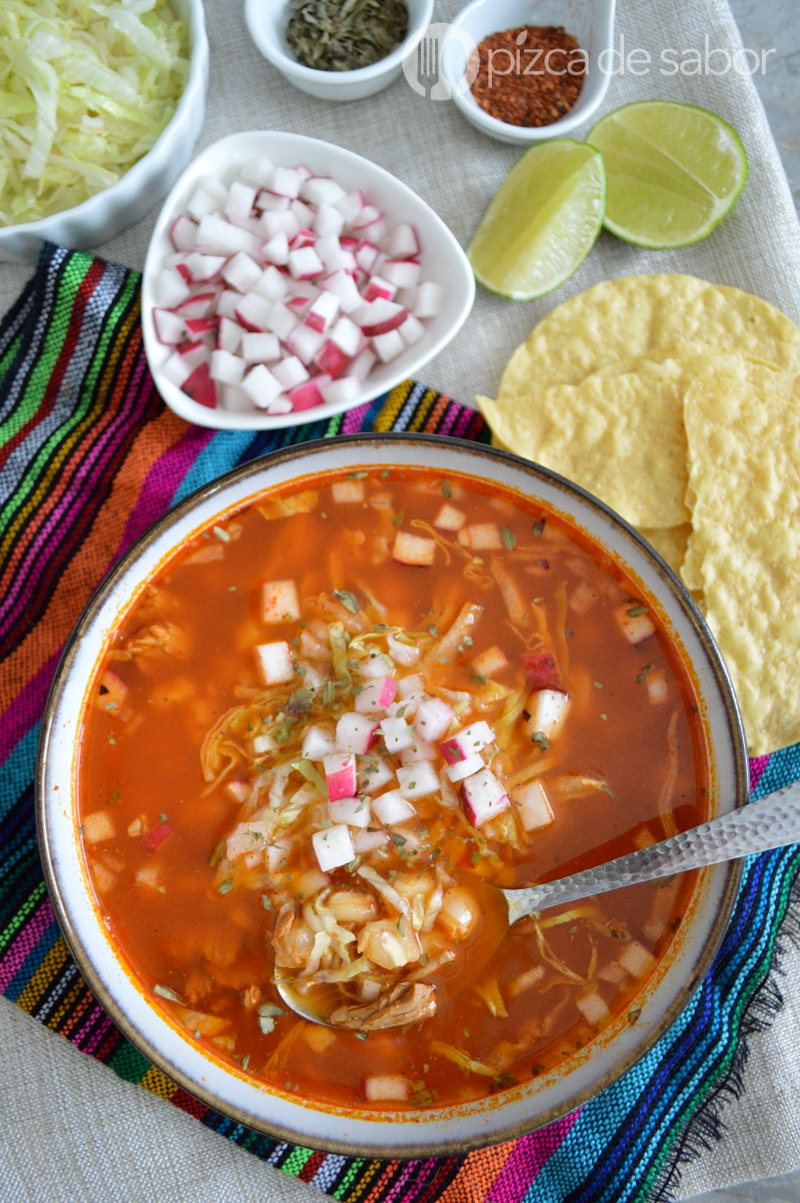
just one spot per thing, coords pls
(372, 37)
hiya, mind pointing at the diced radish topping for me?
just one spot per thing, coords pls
(276, 251)
(418, 780)
(323, 312)
(319, 190)
(636, 960)
(340, 775)
(241, 272)
(403, 273)
(411, 330)
(319, 743)
(449, 518)
(308, 396)
(467, 742)
(332, 360)
(374, 698)
(350, 206)
(227, 368)
(656, 687)
(354, 733)
(290, 372)
(170, 328)
(287, 181)
(433, 719)
(414, 550)
(379, 289)
(254, 312)
(282, 321)
(260, 348)
(176, 370)
(634, 622)
(347, 336)
(305, 343)
(241, 198)
(344, 287)
(379, 317)
(491, 661)
(397, 734)
(155, 838)
(428, 300)
(368, 841)
(544, 713)
(216, 236)
(350, 492)
(244, 238)
(592, 1007)
(413, 683)
(341, 391)
(483, 798)
(389, 346)
(373, 775)
(387, 1087)
(274, 662)
(532, 806)
(419, 750)
(465, 768)
(353, 811)
(363, 364)
(261, 386)
(541, 671)
(392, 808)
(200, 387)
(305, 263)
(329, 222)
(271, 284)
(183, 232)
(279, 602)
(403, 242)
(258, 171)
(333, 847)
(171, 288)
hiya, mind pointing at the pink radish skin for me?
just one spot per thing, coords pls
(301, 239)
(305, 343)
(483, 798)
(308, 396)
(253, 312)
(323, 312)
(332, 360)
(377, 696)
(344, 287)
(200, 387)
(379, 289)
(354, 734)
(193, 354)
(340, 775)
(201, 325)
(467, 742)
(380, 317)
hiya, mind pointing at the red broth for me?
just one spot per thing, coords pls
(222, 857)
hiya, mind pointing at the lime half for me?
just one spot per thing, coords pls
(543, 221)
(674, 172)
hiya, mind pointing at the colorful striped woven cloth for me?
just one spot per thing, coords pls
(90, 457)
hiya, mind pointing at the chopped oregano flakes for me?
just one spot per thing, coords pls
(448, 492)
(538, 527)
(347, 599)
(648, 668)
(226, 886)
(635, 611)
(509, 538)
(165, 992)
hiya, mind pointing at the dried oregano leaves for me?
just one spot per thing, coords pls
(343, 35)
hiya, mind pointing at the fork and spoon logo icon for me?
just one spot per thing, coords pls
(444, 61)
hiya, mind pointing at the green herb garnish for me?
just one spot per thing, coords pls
(344, 35)
(347, 599)
(538, 527)
(226, 886)
(509, 538)
(448, 492)
(635, 611)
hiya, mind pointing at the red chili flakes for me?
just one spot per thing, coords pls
(529, 76)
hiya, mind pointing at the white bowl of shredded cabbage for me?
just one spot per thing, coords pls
(101, 103)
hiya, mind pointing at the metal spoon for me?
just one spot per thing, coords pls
(770, 823)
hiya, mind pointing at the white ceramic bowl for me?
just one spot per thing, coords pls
(318, 1125)
(266, 20)
(106, 213)
(443, 261)
(591, 22)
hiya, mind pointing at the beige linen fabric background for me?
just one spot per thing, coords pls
(71, 1131)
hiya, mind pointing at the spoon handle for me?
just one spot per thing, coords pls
(769, 823)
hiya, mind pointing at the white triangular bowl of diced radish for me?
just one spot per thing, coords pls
(289, 279)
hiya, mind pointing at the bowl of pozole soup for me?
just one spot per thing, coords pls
(306, 729)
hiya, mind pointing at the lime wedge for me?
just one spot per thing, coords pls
(674, 172)
(543, 221)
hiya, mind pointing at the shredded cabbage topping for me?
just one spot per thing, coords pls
(86, 88)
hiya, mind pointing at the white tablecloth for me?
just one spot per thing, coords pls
(71, 1130)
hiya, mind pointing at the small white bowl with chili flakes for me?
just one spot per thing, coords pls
(527, 84)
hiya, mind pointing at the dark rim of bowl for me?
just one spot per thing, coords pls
(738, 752)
